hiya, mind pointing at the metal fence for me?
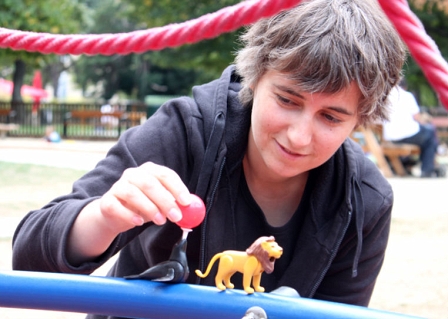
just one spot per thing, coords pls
(72, 120)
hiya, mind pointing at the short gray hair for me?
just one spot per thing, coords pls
(324, 45)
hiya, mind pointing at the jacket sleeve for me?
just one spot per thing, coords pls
(40, 239)
(339, 284)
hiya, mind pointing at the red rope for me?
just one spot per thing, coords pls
(206, 27)
(422, 48)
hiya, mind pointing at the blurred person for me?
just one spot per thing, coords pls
(267, 148)
(406, 124)
(109, 121)
(51, 135)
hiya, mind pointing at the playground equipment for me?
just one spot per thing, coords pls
(421, 46)
(153, 300)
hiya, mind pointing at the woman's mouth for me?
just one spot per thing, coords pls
(289, 152)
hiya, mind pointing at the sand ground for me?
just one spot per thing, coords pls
(414, 278)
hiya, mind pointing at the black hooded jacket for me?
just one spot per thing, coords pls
(339, 248)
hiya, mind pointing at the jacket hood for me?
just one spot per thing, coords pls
(219, 106)
(214, 119)
(212, 98)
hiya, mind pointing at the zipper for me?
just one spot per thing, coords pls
(333, 255)
(203, 230)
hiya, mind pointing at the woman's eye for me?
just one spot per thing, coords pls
(284, 100)
(331, 118)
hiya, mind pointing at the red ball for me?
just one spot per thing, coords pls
(193, 214)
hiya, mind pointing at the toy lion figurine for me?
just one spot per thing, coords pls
(259, 257)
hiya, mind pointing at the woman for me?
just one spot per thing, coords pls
(266, 147)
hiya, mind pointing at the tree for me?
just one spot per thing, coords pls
(112, 72)
(210, 57)
(170, 71)
(53, 16)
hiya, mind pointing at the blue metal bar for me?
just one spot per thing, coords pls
(151, 300)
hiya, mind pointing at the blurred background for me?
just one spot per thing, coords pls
(98, 97)
(38, 90)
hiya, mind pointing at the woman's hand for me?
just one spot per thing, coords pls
(148, 193)
(143, 194)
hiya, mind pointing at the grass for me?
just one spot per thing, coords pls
(24, 187)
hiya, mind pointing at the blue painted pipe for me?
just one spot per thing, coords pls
(151, 300)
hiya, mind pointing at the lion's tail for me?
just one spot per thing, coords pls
(209, 267)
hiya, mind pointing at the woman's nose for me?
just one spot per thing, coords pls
(300, 132)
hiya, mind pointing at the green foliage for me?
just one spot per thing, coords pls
(433, 15)
(172, 70)
(169, 71)
(52, 16)
(40, 184)
(156, 13)
(209, 57)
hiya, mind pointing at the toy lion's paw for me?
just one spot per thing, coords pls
(220, 286)
(249, 290)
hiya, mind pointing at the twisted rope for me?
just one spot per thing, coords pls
(205, 27)
(421, 46)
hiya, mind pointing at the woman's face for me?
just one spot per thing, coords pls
(293, 132)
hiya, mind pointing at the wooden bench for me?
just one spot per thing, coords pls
(383, 150)
(6, 127)
(84, 116)
(441, 124)
(134, 118)
(6, 113)
(394, 152)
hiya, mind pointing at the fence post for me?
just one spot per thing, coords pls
(67, 116)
